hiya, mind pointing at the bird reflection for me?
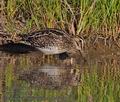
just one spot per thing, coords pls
(50, 76)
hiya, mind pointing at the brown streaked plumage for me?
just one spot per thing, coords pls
(4, 37)
(52, 41)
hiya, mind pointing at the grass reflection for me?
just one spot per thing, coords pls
(94, 86)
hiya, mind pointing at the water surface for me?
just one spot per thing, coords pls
(34, 77)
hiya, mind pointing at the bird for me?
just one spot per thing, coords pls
(5, 38)
(52, 41)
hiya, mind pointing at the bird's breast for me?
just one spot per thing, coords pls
(51, 50)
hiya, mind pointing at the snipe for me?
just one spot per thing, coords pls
(5, 38)
(52, 41)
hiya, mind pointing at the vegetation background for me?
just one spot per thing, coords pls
(79, 17)
(86, 18)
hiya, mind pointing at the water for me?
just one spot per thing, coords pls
(34, 77)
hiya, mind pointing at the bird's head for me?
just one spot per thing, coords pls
(79, 43)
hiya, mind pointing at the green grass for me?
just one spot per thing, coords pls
(78, 17)
(99, 88)
(97, 84)
(94, 86)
